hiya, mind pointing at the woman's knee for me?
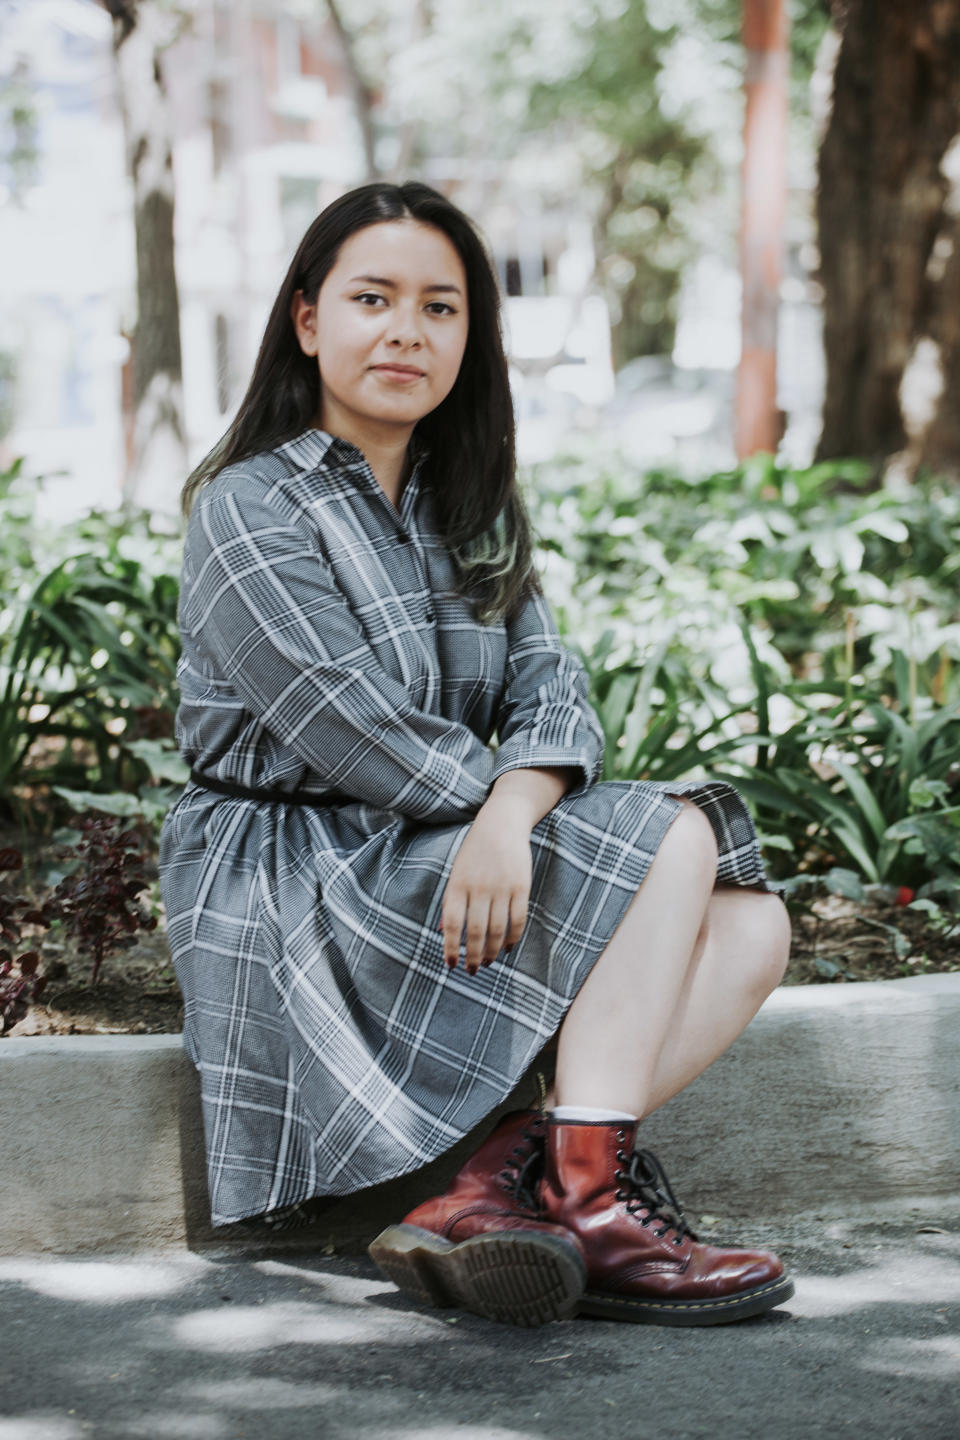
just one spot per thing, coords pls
(767, 941)
(694, 843)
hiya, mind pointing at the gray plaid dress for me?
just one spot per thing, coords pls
(325, 648)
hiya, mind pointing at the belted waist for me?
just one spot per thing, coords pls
(280, 797)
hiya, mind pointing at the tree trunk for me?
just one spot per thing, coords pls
(142, 30)
(890, 278)
(408, 154)
(766, 29)
(363, 97)
(938, 446)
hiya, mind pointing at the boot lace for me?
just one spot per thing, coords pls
(645, 1187)
(523, 1171)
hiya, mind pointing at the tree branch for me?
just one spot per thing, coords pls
(363, 96)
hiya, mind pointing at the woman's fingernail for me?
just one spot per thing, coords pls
(450, 962)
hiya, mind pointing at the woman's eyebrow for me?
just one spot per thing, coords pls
(392, 284)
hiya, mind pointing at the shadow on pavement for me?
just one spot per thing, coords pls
(247, 1348)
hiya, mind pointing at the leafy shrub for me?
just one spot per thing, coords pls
(863, 785)
(96, 902)
(88, 653)
(837, 582)
(785, 628)
(19, 981)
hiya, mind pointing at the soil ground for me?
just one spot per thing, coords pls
(835, 940)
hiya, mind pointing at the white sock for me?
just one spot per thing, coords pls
(588, 1112)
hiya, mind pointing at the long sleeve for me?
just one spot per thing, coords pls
(264, 605)
(545, 717)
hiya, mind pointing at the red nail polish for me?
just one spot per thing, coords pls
(450, 962)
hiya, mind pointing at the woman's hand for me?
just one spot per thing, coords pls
(489, 887)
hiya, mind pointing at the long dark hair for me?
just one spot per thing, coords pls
(471, 465)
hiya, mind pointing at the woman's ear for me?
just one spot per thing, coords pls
(304, 319)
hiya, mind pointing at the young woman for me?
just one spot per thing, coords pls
(377, 920)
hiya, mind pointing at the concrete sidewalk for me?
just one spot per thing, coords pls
(230, 1347)
(835, 1095)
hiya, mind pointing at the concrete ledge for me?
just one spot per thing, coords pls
(836, 1095)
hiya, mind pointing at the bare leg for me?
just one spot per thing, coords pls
(740, 959)
(681, 977)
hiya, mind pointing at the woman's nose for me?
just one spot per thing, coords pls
(405, 327)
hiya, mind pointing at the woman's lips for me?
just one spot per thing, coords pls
(399, 372)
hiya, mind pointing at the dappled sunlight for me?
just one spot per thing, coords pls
(350, 1289)
(937, 1358)
(457, 1432)
(98, 1282)
(263, 1393)
(44, 1426)
(176, 1425)
(924, 1280)
(267, 1327)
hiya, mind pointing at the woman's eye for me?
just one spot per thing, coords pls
(440, 307)
(369, 297)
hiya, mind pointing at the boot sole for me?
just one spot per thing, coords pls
(515, 1277)
(721, 1311)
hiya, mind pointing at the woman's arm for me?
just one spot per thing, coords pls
(265, 606)
(489, 886)
(550, 738)
(528, 795)
(545, 719)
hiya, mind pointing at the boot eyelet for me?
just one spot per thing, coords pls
(619, 1195)
(621, 1158)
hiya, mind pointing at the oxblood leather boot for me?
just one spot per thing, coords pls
(480, 1245)
(644, 1263)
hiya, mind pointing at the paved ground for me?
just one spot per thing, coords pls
(232, 1348)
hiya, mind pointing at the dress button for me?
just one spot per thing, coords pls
(404, 537)
(430, 617)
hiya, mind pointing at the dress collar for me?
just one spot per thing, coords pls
(312, 447)
(308, 449)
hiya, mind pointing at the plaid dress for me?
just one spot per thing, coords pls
(325, 648)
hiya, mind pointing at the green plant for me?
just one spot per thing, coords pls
(87, 661)
(837, 582)
(660, 721)
(791, 629)
(861, 783)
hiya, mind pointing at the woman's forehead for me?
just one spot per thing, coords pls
(401, 249)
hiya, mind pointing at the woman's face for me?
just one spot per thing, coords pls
(389, 328)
